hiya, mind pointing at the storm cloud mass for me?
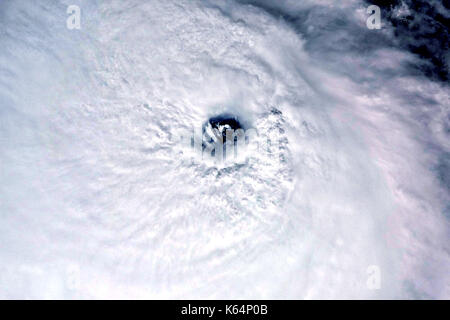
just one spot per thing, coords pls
(98, 199)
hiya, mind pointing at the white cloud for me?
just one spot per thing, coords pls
(92, 179)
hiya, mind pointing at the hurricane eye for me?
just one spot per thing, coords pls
(221, 123)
